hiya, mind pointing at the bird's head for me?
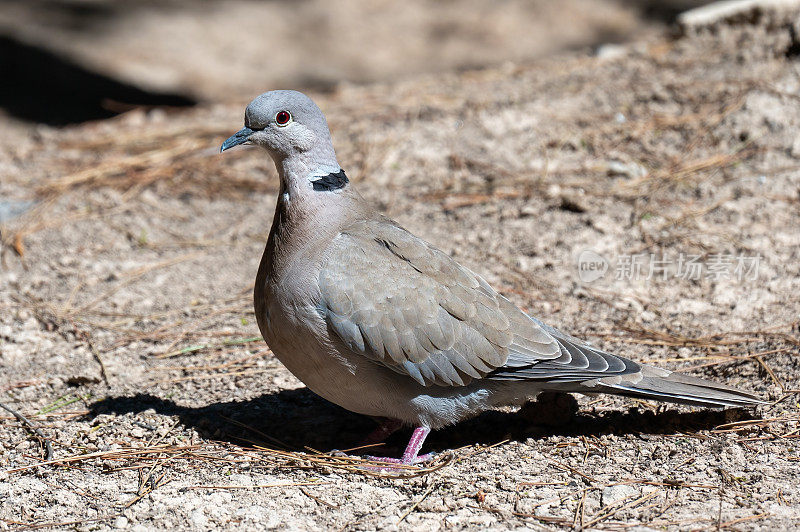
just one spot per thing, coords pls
(288, 124)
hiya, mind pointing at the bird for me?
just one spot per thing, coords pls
(382, 323)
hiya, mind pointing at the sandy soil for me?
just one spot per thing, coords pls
(220, 50)
(127, 335)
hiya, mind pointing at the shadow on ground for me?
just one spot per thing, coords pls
(41, 86)
(299, 419)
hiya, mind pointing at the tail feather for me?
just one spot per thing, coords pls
(661, 385)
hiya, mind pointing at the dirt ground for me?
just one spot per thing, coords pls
(220, 50)
(127, 335)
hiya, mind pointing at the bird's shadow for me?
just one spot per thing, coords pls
(300, 420)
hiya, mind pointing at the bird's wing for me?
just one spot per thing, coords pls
(400, 302)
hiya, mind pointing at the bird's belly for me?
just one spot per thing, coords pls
(301, 342)
(356, 388)
(365, 387)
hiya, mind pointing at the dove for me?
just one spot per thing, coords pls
(382, 323)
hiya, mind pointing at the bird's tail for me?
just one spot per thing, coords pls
(662, 385)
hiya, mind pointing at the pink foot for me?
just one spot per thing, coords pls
(411, 454)
(418, 460)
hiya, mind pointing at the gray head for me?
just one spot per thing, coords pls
(290, 126)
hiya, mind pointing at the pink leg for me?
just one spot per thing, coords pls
(415, 444)
(410, 455)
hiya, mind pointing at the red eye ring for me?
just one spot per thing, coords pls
(282, 118)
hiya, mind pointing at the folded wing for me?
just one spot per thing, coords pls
(396, 300)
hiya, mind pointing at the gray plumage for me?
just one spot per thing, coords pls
(376, 320)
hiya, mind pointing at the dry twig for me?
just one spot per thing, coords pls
(36, 431)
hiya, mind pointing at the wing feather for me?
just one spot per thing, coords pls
(396, 300)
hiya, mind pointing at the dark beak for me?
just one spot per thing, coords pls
(240, 137)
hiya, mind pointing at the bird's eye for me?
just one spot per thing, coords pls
(283, 118)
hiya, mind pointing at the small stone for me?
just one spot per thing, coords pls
(199, 518)
(121, 522)
(795, 150)
(607, 52)
(629, 170)
(572, 204)
(613, 494)
(648, 316)
(552, 191)
(10, 209)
